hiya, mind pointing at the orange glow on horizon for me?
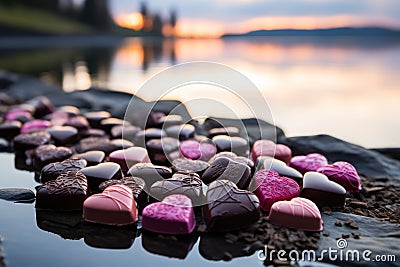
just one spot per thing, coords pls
(132, 21)
(199, 28)
(205, 28)
(212, 29)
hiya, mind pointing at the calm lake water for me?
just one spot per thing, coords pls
(345, 87)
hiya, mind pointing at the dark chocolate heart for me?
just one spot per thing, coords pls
(183, 183)
(67, 192)
(63, 134)
(10, 129)
(100, 173)
(26, 141)
(53, 170)
(95, 117)
(47, 154)
(237, 145)
(136, 184)
(92, 157)
(226, 169)
(181, 132)
(150, 173)
(183, 164)
(229, 208)
(160, 149)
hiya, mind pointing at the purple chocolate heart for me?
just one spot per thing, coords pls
(344, 174)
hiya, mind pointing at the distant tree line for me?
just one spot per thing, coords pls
(95, 13)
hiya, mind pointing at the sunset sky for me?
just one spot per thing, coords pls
(212, 18)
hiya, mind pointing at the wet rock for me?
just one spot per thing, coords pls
(17, 195)
(367, 162)
(380, 237)
(252, 128)
(393, 153)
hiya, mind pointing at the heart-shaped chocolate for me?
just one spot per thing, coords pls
(126, 158)
(174, 215)
(92, 157)
(35, 125)
(137, 186)
(181, 132)
(309, 163)
(100, 173)
(323, 192)
(46, 154)
(233, 157)
(344, 174)
(237, 145)
(193, 149)
(78, 122)
(53, 170)
(144, 136)
(67, 192)
(298, 213)
(183, 164)
(114, 206)
(226, 169)
(10, 129)
(272, 188)
(182, 183)
(95, 117)
(150, 173)
(63, 134)
(26, 141)
(269, 148)
(229, 208)
(270, 163)
(109, 123)
(160, 149)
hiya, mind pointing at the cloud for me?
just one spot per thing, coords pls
(233, 11)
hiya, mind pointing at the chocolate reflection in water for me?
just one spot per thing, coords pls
(109, 237)
(70, 225)
(216, 247)
(23, 163)
(175, 246)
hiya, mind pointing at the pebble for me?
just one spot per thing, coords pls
(338, 223)
(356, 235)
(358, 204)
(326, 233)
(345, 235)
(17, 194)
(353, 225)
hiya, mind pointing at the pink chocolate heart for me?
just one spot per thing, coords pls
(115, 206)
(174, 215)
(272, 188)
(299, 213)
(193, 149)
(269, 148)
(344, 174)
(35, 125)
(311, 162)
(126, 158)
